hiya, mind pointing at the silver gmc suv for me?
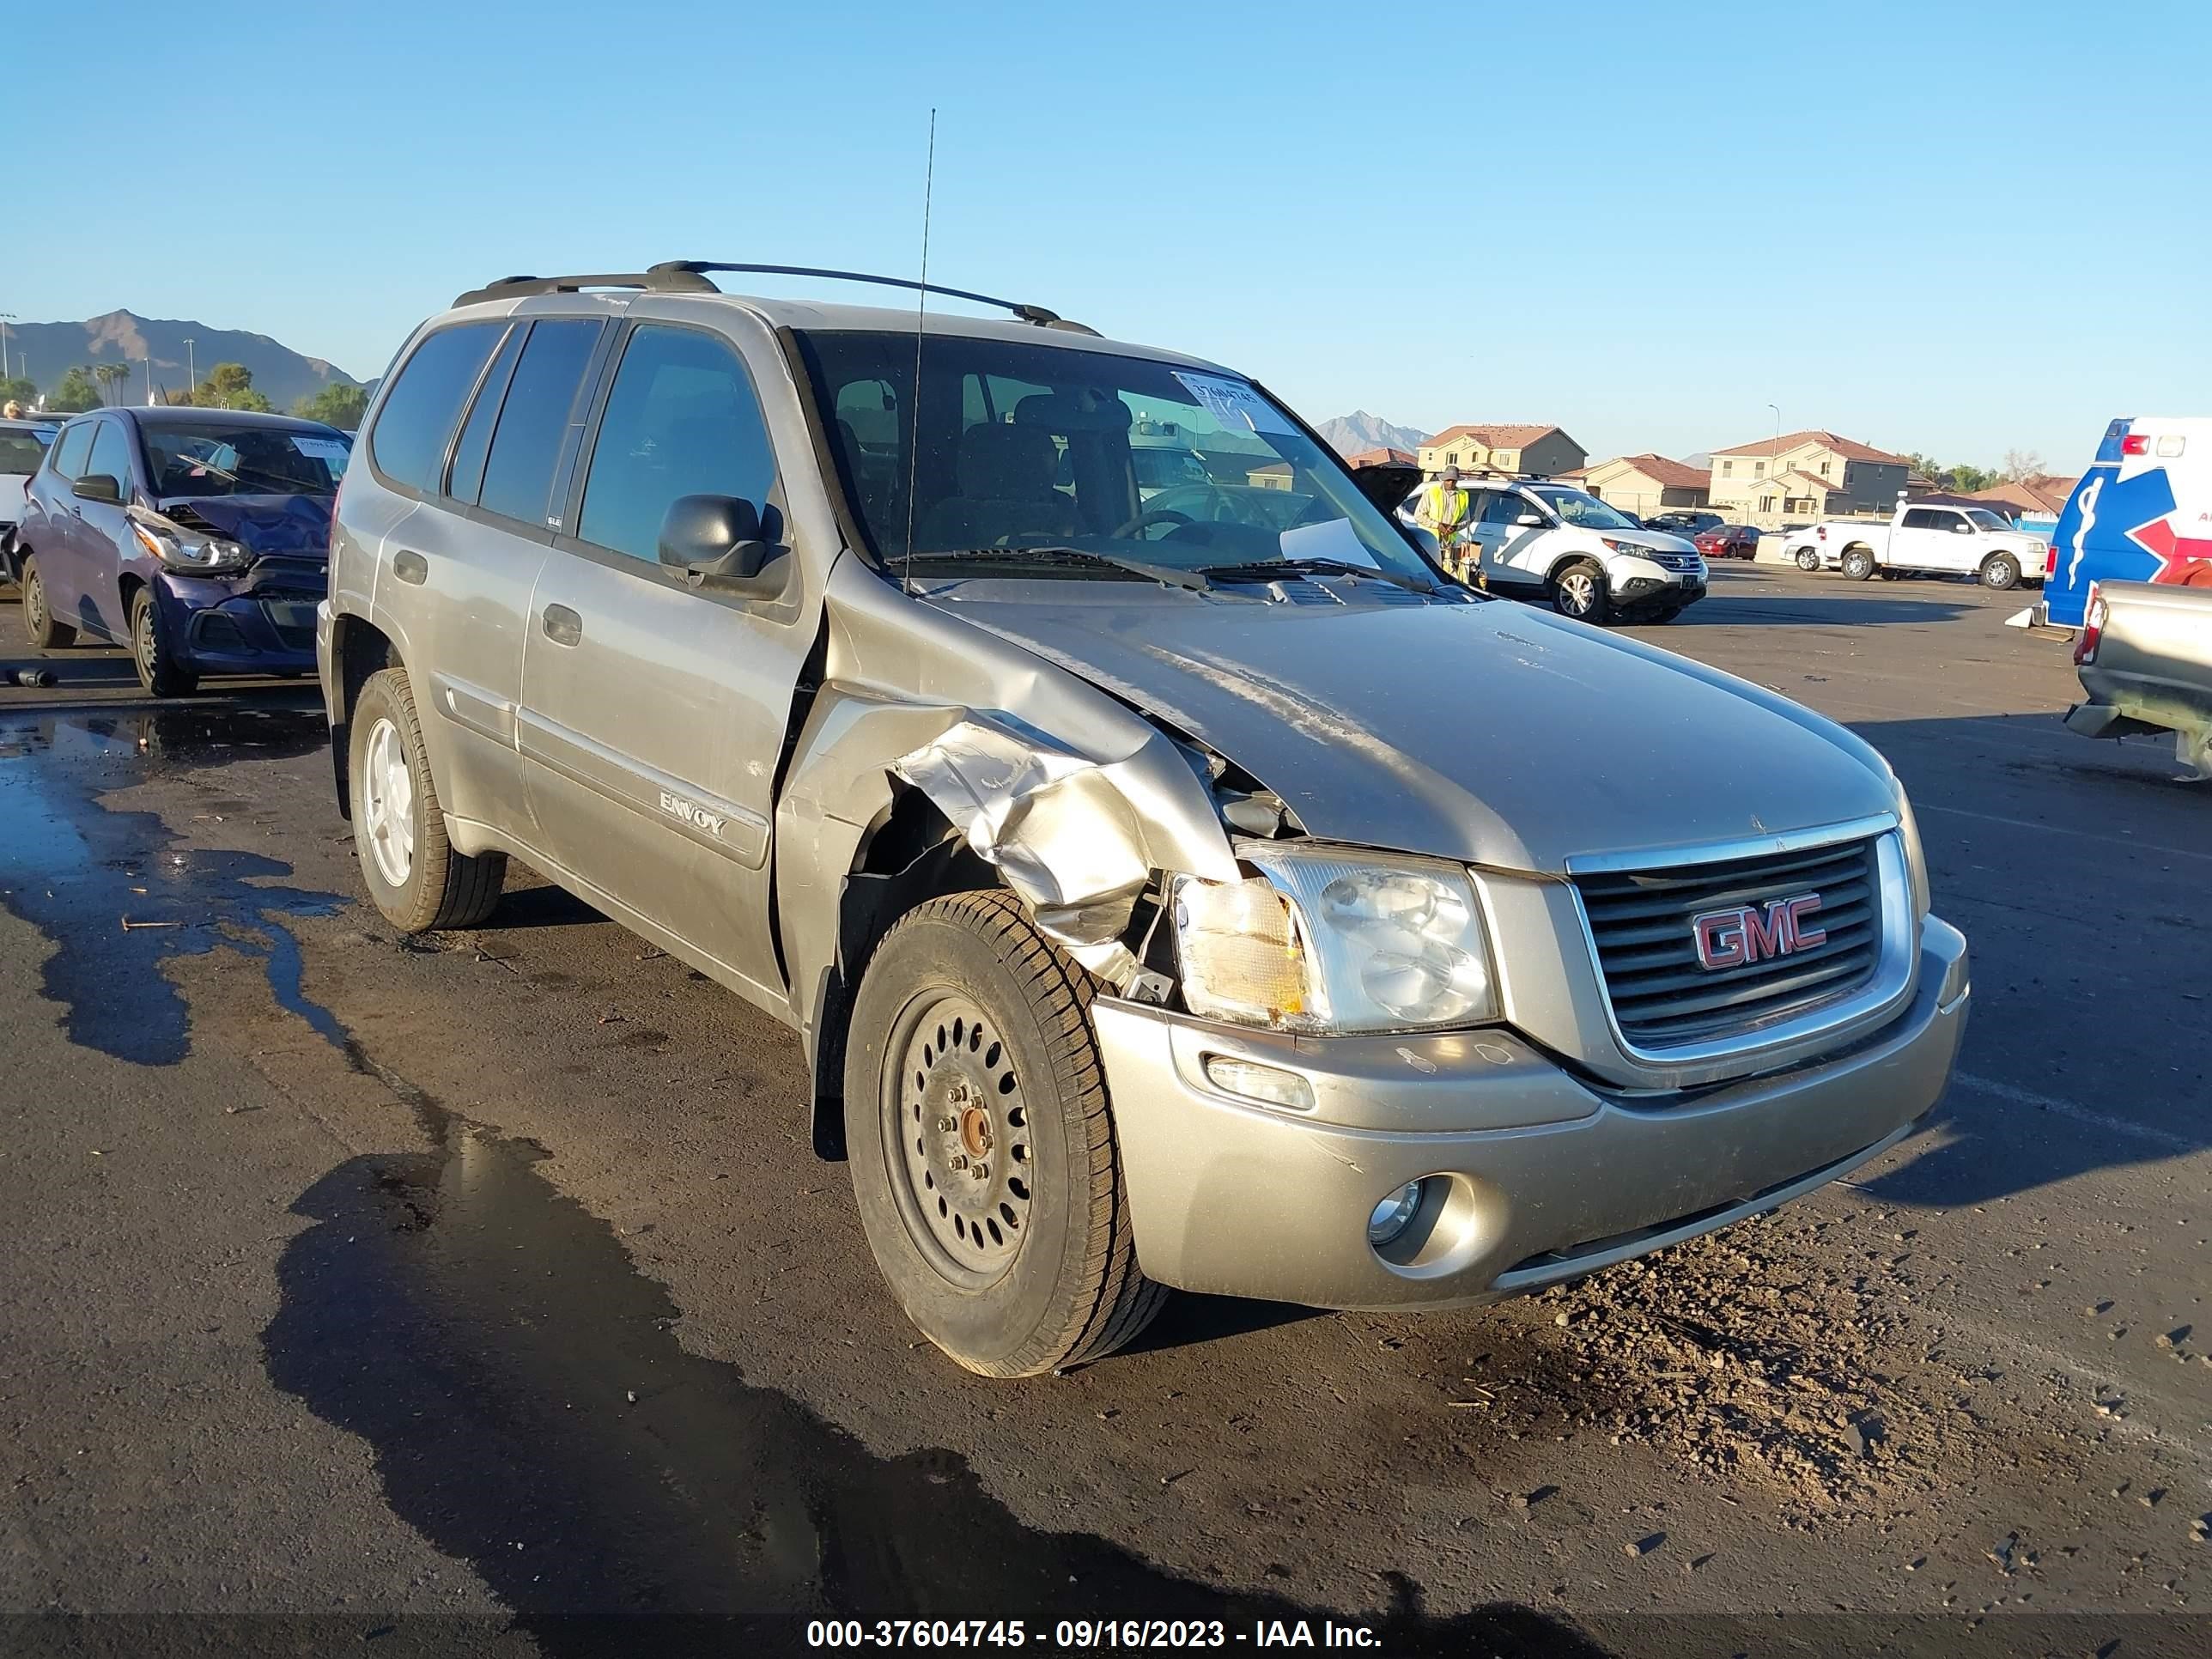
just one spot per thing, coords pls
(1207, 895)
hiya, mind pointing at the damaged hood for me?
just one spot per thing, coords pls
(1486, 732)
(294, 526)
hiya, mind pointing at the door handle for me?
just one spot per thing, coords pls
(410, 568)
(563, 626)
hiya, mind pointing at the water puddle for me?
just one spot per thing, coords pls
(529, 1407)
(117, 891)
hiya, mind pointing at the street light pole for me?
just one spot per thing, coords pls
(191, 369)
(6, 317)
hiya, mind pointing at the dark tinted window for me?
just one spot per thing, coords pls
(111, 454)
(534, 419)
(409, 443)
(1504, 508)
(1921, 518)
(476, 437)
(69, 453)
(682, 420)
(19, 451)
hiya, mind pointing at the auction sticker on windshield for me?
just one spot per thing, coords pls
(1233, 403)
(333, 451)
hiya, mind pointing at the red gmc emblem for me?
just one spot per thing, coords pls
(1751, 932)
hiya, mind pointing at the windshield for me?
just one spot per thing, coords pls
(201, 459)
(21, 449)
(1027, 447)
(1586, 512)
(1987, 520)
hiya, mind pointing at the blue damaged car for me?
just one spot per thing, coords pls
(198, 538)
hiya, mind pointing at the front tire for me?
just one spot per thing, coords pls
(1578, 591)
(983, 1156)
(414, 876)
(1808, 561)
(38, 616)
(1858, 564)
(152, 653)
(2000, 572)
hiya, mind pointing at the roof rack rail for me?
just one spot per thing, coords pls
(660, 280)
(1028, 313)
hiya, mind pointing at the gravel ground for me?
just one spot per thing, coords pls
(481, 1292)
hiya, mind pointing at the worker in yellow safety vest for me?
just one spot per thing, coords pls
(1444, 511)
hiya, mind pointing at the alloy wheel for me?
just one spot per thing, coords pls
(1579, 589)
(388, 804)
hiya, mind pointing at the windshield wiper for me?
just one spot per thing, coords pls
(1268, 570)
(1192, 580)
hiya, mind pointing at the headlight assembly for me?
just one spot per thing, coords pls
(189, 554)
(1327, 940)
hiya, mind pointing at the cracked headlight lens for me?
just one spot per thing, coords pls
(192, 555)
(1325, 940)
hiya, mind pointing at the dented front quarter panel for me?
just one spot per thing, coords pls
(1076, 799)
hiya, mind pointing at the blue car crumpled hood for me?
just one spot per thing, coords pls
(286, 526)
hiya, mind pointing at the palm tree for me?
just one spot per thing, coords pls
(108, 375)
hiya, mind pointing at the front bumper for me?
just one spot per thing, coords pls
(217, 629)
(1536, 1175)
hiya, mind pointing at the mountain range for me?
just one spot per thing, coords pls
(45, 351)
(1349, 434)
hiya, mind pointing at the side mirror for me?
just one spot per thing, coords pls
(99, 487)
(1963, 528)
(718, 541)
(1528, 520)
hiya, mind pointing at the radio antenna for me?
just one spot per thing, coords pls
(920, 315)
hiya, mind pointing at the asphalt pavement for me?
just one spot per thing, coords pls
(481, 1293)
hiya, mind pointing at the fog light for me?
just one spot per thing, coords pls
(1394, 1214)
(1269, 1085)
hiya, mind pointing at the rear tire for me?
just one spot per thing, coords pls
(414, 876)
(39, 621)
(1578, 591)
(152, 653)
(2001, 572)
(1808, 561)
(971, 1047)
(1858, 564)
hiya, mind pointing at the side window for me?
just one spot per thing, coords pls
(475, 443)
(111, 454)
(71, 449)
(409, 441)
(681, 419)
(533, 420)
(1504, 507)
(1919, 518)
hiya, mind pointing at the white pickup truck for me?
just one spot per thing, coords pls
(1938, 540)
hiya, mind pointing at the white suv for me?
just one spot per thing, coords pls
(1535, 540)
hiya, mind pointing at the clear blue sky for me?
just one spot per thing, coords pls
(1953, 227)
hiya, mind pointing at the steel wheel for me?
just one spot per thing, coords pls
(143, 646)
(955, 1108)
(387, 806)
(35, 605)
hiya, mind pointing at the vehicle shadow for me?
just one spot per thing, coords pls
(1853, 609)
(2076, 870)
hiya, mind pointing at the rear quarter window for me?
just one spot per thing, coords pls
(408, 442)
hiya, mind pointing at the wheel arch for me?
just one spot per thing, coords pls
(359, 648)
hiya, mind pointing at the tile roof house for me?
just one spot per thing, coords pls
(1805, 474)
(1645, 483)
(1503, 447)
(1383, 457)
(2039, 494)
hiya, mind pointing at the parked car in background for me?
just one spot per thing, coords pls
(2141, 512)
(1143, 923)
(22, 449)
(1969, 541)
(1729, 541)
(1682, 521)
(2145, 657)
(1586, 558)
(198, 538)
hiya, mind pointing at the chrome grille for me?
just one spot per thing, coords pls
(1662, 997)
(1685, 562)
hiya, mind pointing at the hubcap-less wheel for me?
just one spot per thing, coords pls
(35, 605)
(142, 644)
(388, 804)
(1577, 592)
(1807, 559)
(955, 1109)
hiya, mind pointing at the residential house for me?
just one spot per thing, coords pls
(1384, 457)
(1503, 448)
(2038, 496)
(1645, 483)
(1804, 475)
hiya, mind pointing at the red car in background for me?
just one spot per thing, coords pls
(1730, 541)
